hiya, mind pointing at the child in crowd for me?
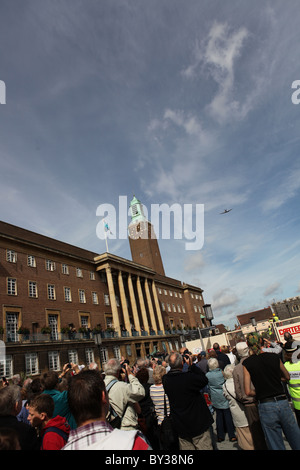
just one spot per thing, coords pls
(53, 432)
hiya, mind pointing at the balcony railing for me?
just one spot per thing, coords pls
(88, 335)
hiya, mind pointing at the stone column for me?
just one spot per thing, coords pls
(142, 304)
(113, 302)
(133, 304)
(124, 303)
(156, 301)
(150, 306)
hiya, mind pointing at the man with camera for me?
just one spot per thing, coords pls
(123, 394)
(189, 411)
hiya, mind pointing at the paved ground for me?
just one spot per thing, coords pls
(227, 445)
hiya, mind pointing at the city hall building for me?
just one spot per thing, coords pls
(61, 303)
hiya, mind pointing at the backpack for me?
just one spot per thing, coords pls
(113, 418)
(63, 434)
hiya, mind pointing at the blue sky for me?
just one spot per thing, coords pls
(173, 101)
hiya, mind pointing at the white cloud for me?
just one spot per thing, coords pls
(271, 289)
(195, 262)
(224, 298)
(287, 189)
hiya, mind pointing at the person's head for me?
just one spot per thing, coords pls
(112, 367)
(242, 349)
(213, 363)
(10, 400)
(216, 346)
(175, 361)
(87, 397)
(228, 371)
(158, 374)
(41, 408)
(225, 349)
(287, 336)
(49, 380)
(9, 439)
(142, 375)
(255, 342)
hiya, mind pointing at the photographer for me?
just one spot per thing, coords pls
(123, 396)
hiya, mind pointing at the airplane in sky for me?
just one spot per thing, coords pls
(226, 211)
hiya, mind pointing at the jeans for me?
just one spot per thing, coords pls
(276, 418)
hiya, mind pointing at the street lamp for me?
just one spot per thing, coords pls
(208, 312)
(98, 342)
(253, 321)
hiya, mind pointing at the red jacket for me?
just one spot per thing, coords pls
(51, 439)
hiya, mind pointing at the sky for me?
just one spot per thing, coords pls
(175, 102)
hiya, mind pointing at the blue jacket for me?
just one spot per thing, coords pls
(215, 385)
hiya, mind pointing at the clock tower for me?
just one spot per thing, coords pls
(142, 239)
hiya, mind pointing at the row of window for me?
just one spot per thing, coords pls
(51, 292)
(178, 294)
(54, 363)
(11, 257)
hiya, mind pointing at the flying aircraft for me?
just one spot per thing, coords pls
(226, 211)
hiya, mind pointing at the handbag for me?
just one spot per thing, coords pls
(168, 435)
(113, 418)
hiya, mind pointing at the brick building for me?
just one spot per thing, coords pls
(55, 298)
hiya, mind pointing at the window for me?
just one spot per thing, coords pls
(103, 355)
(106, 300)
(163, 307)
(6, 366)
(95, 298)
(117, 352)
(67, 291)
(82, 299)
(183, 309)
(174, 308)
(159, 290)
(89, 356)
(11, 256)
(79, 272)
(12, 326)
(92, 275)
(32, 289)
(50, 265)
(11, 286)
(53, 359)
(31, 261)
(73, 356)
(171, 293)
(65, 269)
(84, 321)
(53, 323)
(169, 307)
(51, 292)
(31, 364)
(178, 308)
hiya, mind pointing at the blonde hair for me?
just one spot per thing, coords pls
(158, 373)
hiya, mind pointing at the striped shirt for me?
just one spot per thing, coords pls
(157, 395)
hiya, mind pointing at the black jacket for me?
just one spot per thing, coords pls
(189, 411)
(26, 434)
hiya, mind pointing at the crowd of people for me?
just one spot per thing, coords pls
(250, 394)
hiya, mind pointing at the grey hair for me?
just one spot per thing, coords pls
(9, 397)
(213, 363)
(112, 367)
(175, 361)
(228, 371)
